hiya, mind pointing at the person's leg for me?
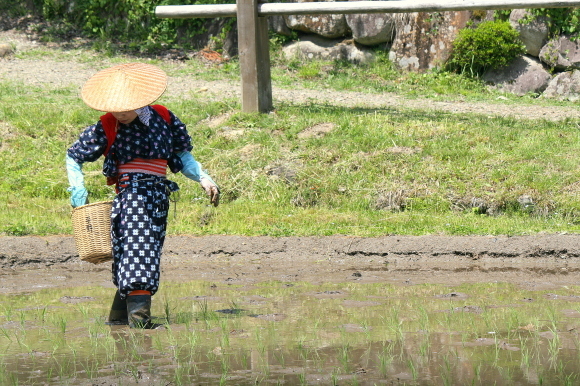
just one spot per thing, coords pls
(139, 310)
(142, 221)
(118, 313)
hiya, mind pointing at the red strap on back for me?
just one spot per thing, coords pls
(109, 123)
(162, 110)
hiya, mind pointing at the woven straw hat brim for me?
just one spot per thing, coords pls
(125, 87)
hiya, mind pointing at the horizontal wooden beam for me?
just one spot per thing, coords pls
(350, 7)
(198, 10)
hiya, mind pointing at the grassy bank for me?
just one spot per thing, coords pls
(365, 172)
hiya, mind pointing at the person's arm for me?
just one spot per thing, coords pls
(76, 181)
(193, 170)
(89, 147)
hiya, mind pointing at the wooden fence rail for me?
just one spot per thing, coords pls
(349, 7)
(253, 45)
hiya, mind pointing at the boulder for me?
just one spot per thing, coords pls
(524, 75)
(315, 47)
(561, 53)
(5, 50)
(424, 39)
(564, 86)
(534, 33)
(328, 26)
(277, 24)
(371, 29)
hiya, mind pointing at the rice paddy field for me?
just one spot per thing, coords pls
(301, 311)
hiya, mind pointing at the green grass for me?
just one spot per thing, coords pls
(378, 171)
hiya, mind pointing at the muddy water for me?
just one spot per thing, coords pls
(297, 333)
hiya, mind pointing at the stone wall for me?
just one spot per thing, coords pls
(423, 41)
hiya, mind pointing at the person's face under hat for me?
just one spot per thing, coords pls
(125, 117)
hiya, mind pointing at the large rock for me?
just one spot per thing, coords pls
(277, 24)
(5, 50)
(561, 54)
(524, 75)
(424, 39)
(371, 29)
(534, 34)
(328, 26)
(315, 47)
(564, 86)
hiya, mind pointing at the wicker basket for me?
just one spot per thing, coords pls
(92, 231)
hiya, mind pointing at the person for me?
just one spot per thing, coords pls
(139, 141)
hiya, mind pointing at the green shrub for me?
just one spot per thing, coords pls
(560, 20)
(492, 44)
(129, 24)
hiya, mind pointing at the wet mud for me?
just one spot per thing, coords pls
(545, 261)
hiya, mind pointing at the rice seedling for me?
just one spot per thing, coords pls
(223, 379)
(205, 314)
(302, 378)
(446, 368)
(225, 333)
(3, 374)
(476, 373)
(506, 373)
(385, 357)
(526, 359)
(60, 322)
(41, 317)
(554, 345)
(413, 370)
(344, 357)
(5, 334)
(425, 347)
(334, 378)
(167, 310)
(224, 366)
(84, 310)
(90, 367)
(395, 325)
(423, 319)
(22, 318)
(7, 311)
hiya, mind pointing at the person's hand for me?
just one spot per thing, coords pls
(211, 190)
(78, 196)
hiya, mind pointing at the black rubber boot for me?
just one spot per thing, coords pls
(139, 312)
(118, 314)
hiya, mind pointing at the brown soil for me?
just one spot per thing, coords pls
(544, 261)
(534, 262)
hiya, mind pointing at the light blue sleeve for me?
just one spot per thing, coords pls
(193, 169)
(76, 181)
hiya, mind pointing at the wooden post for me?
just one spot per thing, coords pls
(254, 54)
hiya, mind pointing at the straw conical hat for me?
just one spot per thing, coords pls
(125, 87)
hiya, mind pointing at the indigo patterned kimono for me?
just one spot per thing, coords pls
(139, 214)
